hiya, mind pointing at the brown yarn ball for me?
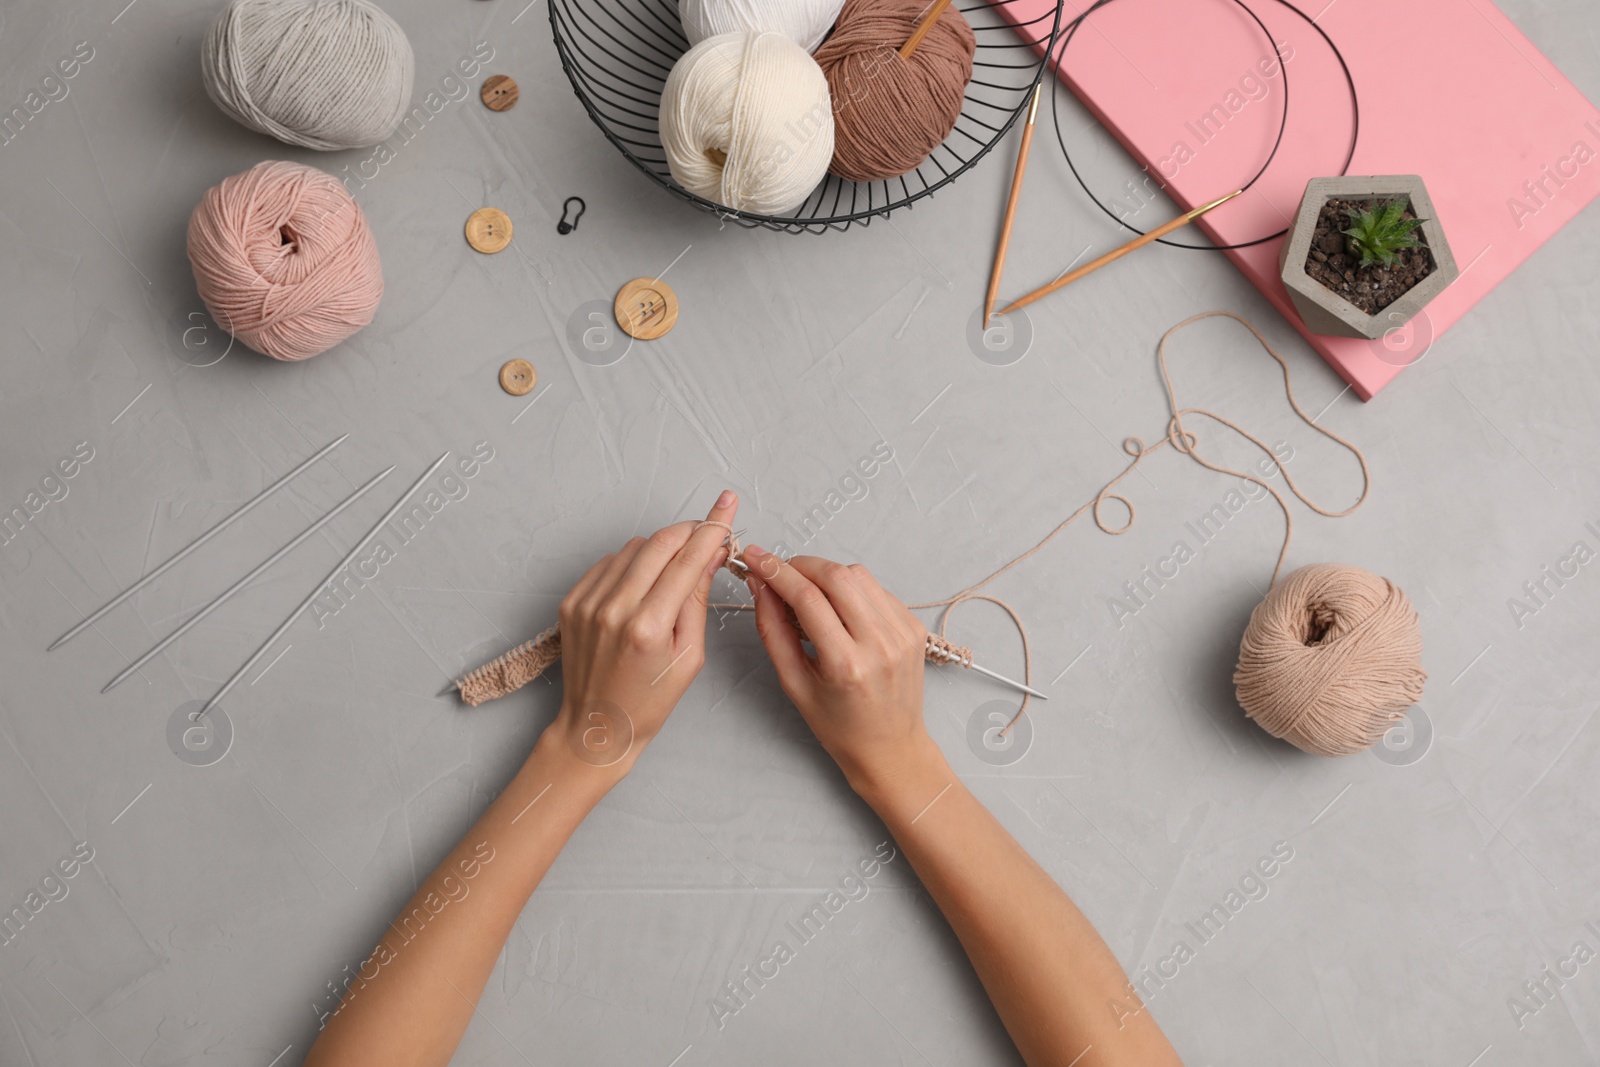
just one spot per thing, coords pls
(888, 112)
(1331, 659)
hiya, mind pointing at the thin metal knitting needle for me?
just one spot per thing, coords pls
(208, 535)
(242, 582)
(1002, 678)
(306, 603)
(940, 655)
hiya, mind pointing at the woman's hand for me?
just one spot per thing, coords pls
(633, 635)
(862, 691)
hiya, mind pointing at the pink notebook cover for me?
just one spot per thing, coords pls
(1449, 90)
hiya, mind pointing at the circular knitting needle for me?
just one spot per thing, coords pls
(208, 535)
(930, 15)
(306, 603)
(1117, 253)
(222, 598)
(1011, 209)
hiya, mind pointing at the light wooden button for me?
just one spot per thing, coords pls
(646, 308)
(489, 230)
(518, 377)
(499, 93)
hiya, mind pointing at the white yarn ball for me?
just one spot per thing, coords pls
(746, 122)
(805, 22)
(326, 74)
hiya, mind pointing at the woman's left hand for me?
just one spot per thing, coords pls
(633, 635)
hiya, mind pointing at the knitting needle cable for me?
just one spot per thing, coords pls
(242, 582)
(1283, 69)
(208, 535)
(306, 603)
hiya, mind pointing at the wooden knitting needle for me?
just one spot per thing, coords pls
(1109, 257)
(928, 19)
(1011, 209)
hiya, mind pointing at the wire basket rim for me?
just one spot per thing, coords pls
(819, 223)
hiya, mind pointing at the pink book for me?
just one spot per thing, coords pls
(1449, 90)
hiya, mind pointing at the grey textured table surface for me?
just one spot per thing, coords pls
(221, 901)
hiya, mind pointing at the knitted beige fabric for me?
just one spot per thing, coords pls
(513, 670)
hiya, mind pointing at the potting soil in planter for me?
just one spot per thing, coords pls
(1371, 288)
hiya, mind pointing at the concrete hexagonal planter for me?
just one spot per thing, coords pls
(1325, 311)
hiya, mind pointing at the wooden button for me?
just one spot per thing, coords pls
(646, 308)
(489, 230)
(518, 377)
(499, 93)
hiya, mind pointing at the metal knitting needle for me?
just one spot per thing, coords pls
(223, 597)
(306, 603)
(939, 655)
(208, 535)
(930, 650)
(1002, 678)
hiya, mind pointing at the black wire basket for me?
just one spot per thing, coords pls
(617, 54)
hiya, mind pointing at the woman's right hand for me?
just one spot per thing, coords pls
(861, 693)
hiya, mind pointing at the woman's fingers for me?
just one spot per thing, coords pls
(780, 638)
(652, 558)
(908, 626)
(859, 614)
(615, 567)
(811, 606)
(683, 573)
(585, 585)
(690, 628)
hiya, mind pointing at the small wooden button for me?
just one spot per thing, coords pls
(518, 377)
(646, 308)
(489, 230)
(499, 93)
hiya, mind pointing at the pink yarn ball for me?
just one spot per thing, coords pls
(284, 260)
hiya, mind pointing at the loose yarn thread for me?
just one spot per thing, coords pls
(284, 260)
(324, 74)
(1332, 656)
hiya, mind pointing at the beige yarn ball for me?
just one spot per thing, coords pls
(746, 122)
(1331, 659)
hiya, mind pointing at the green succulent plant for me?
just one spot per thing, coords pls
(1379, 234)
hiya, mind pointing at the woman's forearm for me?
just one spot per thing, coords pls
(411, 1000)
(1050, 976)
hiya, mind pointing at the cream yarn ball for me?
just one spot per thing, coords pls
(746, 122)
(805, 22)
(325, 74)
